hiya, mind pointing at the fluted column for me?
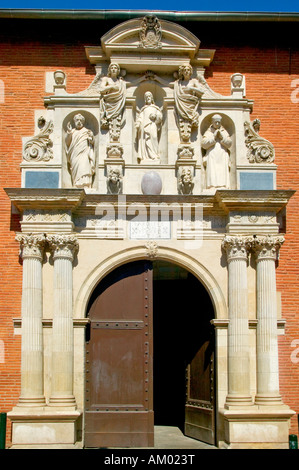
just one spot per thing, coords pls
(32, 381)
(236, 248)
(63, 248)
(266, 249)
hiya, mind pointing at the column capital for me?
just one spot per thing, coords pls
(267, 246)
(236, 246)
(63, 246)
(31, 245)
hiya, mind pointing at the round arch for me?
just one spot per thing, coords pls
(163, 253)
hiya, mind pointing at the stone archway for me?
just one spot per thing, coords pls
(194, 416)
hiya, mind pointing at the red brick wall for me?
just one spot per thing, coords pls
(27, 52)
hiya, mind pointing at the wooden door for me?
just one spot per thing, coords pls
(200, 393)
(119, 382)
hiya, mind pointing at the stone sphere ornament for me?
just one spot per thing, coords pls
(151, 183)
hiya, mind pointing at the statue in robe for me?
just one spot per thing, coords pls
(80, 153)
(113, 96)
(217, 142)
(148, 126)
(187, 94)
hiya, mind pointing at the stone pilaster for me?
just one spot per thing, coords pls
(32, 381)
(63, 248)
(236, 248)
(266, 249)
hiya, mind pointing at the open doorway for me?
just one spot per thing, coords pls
(183, 359)
(149, 356)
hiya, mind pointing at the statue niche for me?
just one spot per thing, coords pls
(80, 149)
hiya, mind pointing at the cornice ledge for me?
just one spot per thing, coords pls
(35, 198)
(249, 200)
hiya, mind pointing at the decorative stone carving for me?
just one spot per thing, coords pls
(185, 152)
(113, 96)
(63, 246)
(115, 151)
(148, 125)
(185, 181)
(238, 85)
(31, 245)
(236, 246)
(114, 181)
(80, 153)
(151, 248)
(59, 77)
(187, 93)
(267, 246)
(237, 79)
(217, 142)
(150, 34)
(39, 148)
(260, 150)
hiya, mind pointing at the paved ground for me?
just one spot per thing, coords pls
(168, 437)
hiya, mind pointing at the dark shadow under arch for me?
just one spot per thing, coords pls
(182, 326)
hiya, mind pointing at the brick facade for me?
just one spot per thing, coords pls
(28, 50)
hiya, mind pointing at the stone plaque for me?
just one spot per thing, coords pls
(150, 229)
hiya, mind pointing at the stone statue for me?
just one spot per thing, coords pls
(185, 182)
(217, 142)
(114, 181)
(112, 90)
(80, 153)
(148, 125)
(187, 93)
(113, 96)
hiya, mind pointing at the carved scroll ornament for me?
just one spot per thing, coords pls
(260, 150)
(39, 147)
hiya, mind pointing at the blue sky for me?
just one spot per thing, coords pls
(168, 5)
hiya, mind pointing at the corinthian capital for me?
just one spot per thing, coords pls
(267, 246)
(236, 246)
(31, 245)
(63, 246)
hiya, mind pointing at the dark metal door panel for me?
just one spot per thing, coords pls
(119, 403)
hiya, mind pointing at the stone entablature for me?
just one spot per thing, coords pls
(182, 217)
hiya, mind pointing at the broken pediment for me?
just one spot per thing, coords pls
(149, 43)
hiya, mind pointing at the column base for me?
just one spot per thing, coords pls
(32, 401)
(238, 400)
(63, 401)
(268, 400)
(43, 427)
(257, 428)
